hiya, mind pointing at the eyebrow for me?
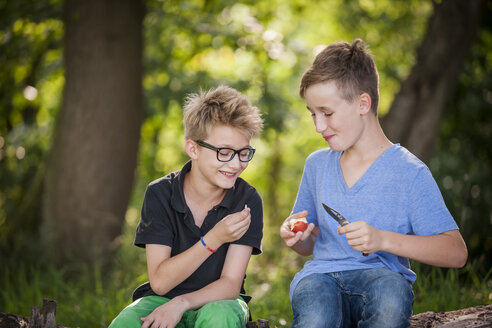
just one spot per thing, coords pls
(321, 108)
(230, 146)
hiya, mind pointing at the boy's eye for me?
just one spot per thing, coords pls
(225, 152)
(328, 114)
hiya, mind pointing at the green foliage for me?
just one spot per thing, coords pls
(30, 88)
(438, 289)
(261, 48)
(462, 163)
(85, 300)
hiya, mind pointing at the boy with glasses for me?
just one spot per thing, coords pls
(200, 225)
(395, 207)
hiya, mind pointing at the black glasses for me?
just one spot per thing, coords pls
(225, 154)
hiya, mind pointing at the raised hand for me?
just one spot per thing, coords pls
(230, 228)
(291, 238)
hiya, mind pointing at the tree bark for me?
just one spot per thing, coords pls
(91, 167)
(415, 114)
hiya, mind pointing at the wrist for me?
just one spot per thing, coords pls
(211, 241)
(206, 246)
(183, 302)
(385, 241)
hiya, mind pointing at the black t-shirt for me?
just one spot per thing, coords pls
(167, 220)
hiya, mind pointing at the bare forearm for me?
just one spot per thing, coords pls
(444, 250)
(228, 286)
(176, 269)
(222, 289)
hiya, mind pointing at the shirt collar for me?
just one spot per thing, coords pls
(178, 198)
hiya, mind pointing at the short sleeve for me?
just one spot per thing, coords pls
(427, 210)
(154, 226)
(305, 195)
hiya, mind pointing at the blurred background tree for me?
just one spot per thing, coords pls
(69, 103)
(92, 160)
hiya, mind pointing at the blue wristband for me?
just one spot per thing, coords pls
(203, 242)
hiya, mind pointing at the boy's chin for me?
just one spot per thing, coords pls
(335, 147)
(229, 184)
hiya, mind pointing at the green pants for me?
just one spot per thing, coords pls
(226, 313)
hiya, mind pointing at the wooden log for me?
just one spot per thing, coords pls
(44, 318)
(473, 317)
(8, 320)
(49, 313)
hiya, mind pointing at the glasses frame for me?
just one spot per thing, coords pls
(234, 152)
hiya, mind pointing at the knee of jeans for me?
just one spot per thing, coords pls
(317, 302)
(310, 286)
(397, 292)
(394, 303)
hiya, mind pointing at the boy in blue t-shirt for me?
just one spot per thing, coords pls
(390, 197)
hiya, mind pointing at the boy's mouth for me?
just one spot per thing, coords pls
(228, 174)
(327, 138)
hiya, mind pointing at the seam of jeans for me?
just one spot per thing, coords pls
(340, 307)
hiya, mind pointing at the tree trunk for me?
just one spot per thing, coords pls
(91, 167)
(415, 114)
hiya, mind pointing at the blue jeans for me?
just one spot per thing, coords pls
(357, 298)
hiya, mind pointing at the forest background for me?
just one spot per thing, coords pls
(90, 112)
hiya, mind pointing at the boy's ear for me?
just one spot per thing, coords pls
(191, 148)
(364, 103)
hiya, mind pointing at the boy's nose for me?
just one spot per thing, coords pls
(320, 124)
(235, 162)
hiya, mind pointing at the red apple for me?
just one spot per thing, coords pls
(298, 224)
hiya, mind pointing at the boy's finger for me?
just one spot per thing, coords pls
(294, 240)
(345, 229)
(298, 215)
(307, 232)
(243, 214)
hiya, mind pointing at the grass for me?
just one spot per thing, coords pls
(84, 302)
(438, 289)
(92, 300)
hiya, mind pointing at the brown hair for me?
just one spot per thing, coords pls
(223, 105)
(352, 68)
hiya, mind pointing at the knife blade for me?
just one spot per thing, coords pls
(338, 217)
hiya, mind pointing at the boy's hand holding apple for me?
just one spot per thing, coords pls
(295, 228)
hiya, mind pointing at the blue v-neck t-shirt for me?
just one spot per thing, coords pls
(397, 193)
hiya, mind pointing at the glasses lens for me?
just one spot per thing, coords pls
(245, 155)
(225, 154)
